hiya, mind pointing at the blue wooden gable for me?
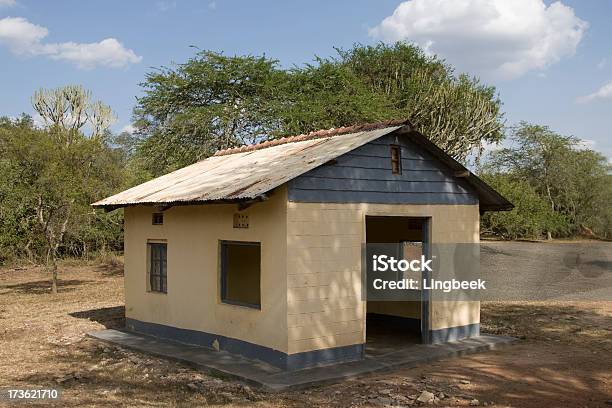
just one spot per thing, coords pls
(364, 175)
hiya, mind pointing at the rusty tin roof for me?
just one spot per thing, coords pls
(249, 171)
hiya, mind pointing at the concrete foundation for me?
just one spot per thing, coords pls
(275, 379)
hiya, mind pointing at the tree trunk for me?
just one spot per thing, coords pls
(54, 279)
(52, 267)
(29, 252)
(53, 239)
(548, 235)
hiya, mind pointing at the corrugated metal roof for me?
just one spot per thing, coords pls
(246, 174)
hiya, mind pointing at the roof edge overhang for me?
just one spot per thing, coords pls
(489, 199)
(164, 205)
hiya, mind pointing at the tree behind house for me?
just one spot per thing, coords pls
(46, 190)
(213, 101)
(573, 181)
(70, 108)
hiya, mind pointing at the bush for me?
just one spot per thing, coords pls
(532, 216)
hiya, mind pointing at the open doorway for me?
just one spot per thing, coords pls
(394, 324)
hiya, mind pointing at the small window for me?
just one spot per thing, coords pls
(396, 160)
(158, 267)
(240, 273)
(158, 218)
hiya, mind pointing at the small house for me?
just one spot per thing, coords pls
(257, 250)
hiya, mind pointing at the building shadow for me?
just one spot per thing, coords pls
(110, 317)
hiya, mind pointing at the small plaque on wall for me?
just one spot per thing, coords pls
(241, 220)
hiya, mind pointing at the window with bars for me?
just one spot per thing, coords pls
(396, 160)
(158, 267)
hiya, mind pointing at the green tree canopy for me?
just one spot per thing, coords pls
(210, 102)
(457, 112)
(46, 189)
(531, 217)
(213, 101)
(574, 181)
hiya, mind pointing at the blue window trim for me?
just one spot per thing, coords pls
(223, 245)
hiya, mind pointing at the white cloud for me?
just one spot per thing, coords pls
(25, 38)
(604, 92)
(586, 144)
(7, 3)
(212, 5)
(129, 128)
(21, 36)
(494, 38)
(109, 52)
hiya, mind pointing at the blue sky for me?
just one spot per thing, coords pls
(550, 62)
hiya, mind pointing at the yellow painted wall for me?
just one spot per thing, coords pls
(324, 277)
(193, 300)
(310, 269)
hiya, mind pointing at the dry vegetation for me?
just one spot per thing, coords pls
(563, 358)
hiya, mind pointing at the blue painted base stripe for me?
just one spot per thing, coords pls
(454, 333)
(250, 350)
(203, 339)
(325, 356)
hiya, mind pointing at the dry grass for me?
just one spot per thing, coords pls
(563, 359)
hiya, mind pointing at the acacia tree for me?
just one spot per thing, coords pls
(575, 182)
(457, 112)
(213, 101)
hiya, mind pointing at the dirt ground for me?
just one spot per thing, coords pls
(563, 358)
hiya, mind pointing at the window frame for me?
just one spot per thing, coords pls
(154, 221)
(396, 161)
(161, 285)
(223, 244)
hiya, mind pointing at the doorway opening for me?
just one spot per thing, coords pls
(395, 324)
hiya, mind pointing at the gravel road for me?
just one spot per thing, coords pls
(578, 270)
